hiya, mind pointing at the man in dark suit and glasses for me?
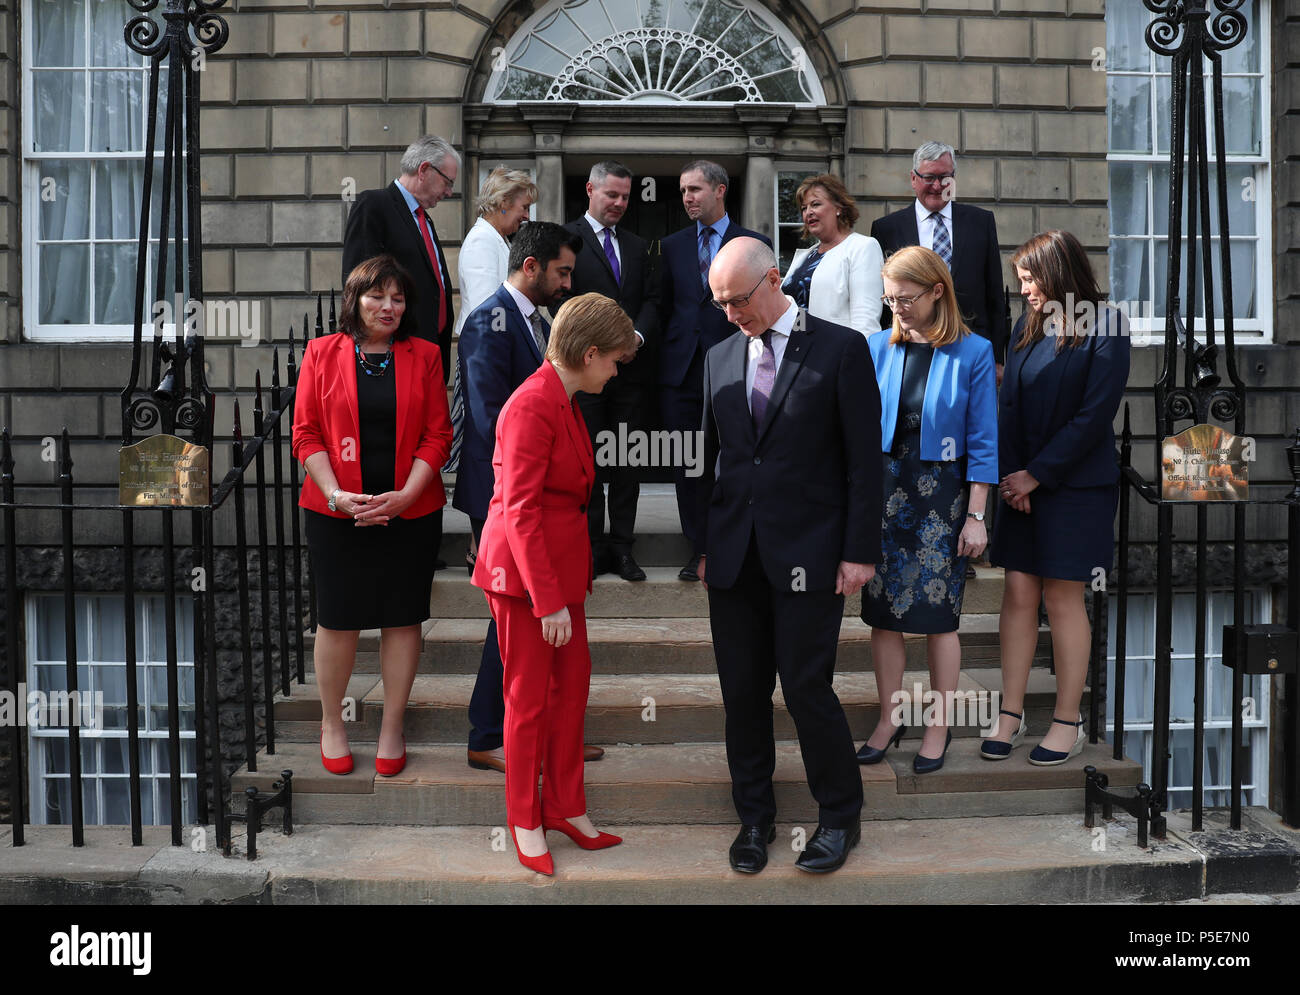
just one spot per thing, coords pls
(791, 508)
(394, 221)
(692, 325)
(616, 263)
(964, 235)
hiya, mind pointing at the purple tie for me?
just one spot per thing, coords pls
(612, 256)
(764, 378)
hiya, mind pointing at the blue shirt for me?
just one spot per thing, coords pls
(413, 205)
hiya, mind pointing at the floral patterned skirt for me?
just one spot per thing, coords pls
(919, 584)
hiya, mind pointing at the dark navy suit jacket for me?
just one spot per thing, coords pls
(692, 321)
(1075, 446)
(496, 353)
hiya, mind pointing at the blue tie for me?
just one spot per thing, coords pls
(705, 256)
(942, 243)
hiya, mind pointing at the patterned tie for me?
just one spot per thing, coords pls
(612, 256)
(540, 329)
(942, 243)
(443, 300)
(705, 235)
(764, 378)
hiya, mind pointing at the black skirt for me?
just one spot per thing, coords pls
(376, 577)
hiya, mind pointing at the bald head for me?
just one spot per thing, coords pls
(747, 267)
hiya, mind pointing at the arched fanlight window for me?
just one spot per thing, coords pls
(654, 51)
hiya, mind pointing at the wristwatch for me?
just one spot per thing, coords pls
(977, 515)
(334, 494)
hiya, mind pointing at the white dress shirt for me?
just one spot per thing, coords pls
(781, 329)
(599, 229)
(526, 307)
(925, 224)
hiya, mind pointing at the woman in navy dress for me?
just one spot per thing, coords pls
(1064, 379)
(938, 429)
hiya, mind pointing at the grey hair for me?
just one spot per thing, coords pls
(714, 175)
(607, 168)
(430, 149)
(502, 186)
(933, 152)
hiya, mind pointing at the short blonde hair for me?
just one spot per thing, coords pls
(585, 321)
(925, 268)
(501, 187)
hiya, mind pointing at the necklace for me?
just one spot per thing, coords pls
(374, 369)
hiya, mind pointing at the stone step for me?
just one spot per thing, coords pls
(672, 645)
(662, 595)
(679, 783)
(641, 708)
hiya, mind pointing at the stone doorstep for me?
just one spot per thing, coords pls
(1003, 860)
(662, 595)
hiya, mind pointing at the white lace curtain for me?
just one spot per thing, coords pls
(88, 97)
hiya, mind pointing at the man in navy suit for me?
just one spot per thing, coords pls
(964, 235)
(693, 325)
(502, 343)
(394, 221)
(616, 263)
(791, 505)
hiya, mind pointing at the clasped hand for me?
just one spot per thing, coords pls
(374, 509)
(1015, 489)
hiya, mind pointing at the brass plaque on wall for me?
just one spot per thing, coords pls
(1204, 463)
(163, 470)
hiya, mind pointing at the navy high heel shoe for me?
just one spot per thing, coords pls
(928, 765)
(1040, 757)
(997, 749)
(870, 755)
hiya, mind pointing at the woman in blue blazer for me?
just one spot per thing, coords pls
(939, 433)
(1065, 376)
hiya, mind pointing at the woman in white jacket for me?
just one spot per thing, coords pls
(483, 263)
(838, 279)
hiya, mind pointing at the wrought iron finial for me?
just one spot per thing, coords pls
(191, 25)
(320, 321)
(1293, 462)
(1219, 29)
(334, 325)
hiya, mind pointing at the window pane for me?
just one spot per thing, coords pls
(1129, 113)
(1244, 56)
(1162, 111)
(49, 629)
(59, 32)
(1126, 46)
(58, 800)
(59, 100)
(1130, 277)
(116, 124)
(787, 184)
(1128, 198)
(64, 200)
(65, 291)
(118, 187)
(110, 630)
(115, 295)
(1241, 105)
(117, 801)
(107, 40)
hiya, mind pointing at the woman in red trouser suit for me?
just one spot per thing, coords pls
(534, 565)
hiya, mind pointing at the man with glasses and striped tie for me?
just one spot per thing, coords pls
(965, 236)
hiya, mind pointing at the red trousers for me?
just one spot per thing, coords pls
(546, 698)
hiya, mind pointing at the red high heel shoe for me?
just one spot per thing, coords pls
(335, 765)
(598, 842)
(390, 766)
(542, 865)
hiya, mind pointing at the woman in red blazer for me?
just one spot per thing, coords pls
(534, 565)
(371, 427)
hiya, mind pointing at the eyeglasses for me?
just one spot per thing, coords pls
(894, 303)
(933, 177)
(446, 179)
(738, 302)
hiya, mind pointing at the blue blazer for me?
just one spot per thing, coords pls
(496, 353)
(960, 414)
(1081, 389)
(691, 321)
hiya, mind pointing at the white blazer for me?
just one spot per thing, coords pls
(482, 267)
(846, 286)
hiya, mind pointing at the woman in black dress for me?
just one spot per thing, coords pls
(1064, 379)
(371, 427)
(938, 429)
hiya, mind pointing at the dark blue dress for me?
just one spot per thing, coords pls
(919, 583)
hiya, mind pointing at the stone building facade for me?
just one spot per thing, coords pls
(311, 101)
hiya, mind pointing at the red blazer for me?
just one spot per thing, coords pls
(535, 543)
(325, 418)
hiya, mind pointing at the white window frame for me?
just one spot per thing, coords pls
(1150, 331)
(30, 184)
(1139, 734)
(151, 741)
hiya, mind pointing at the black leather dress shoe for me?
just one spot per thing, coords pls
(828, 849)
(748, 853)
(627, 568)
(691, 571)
